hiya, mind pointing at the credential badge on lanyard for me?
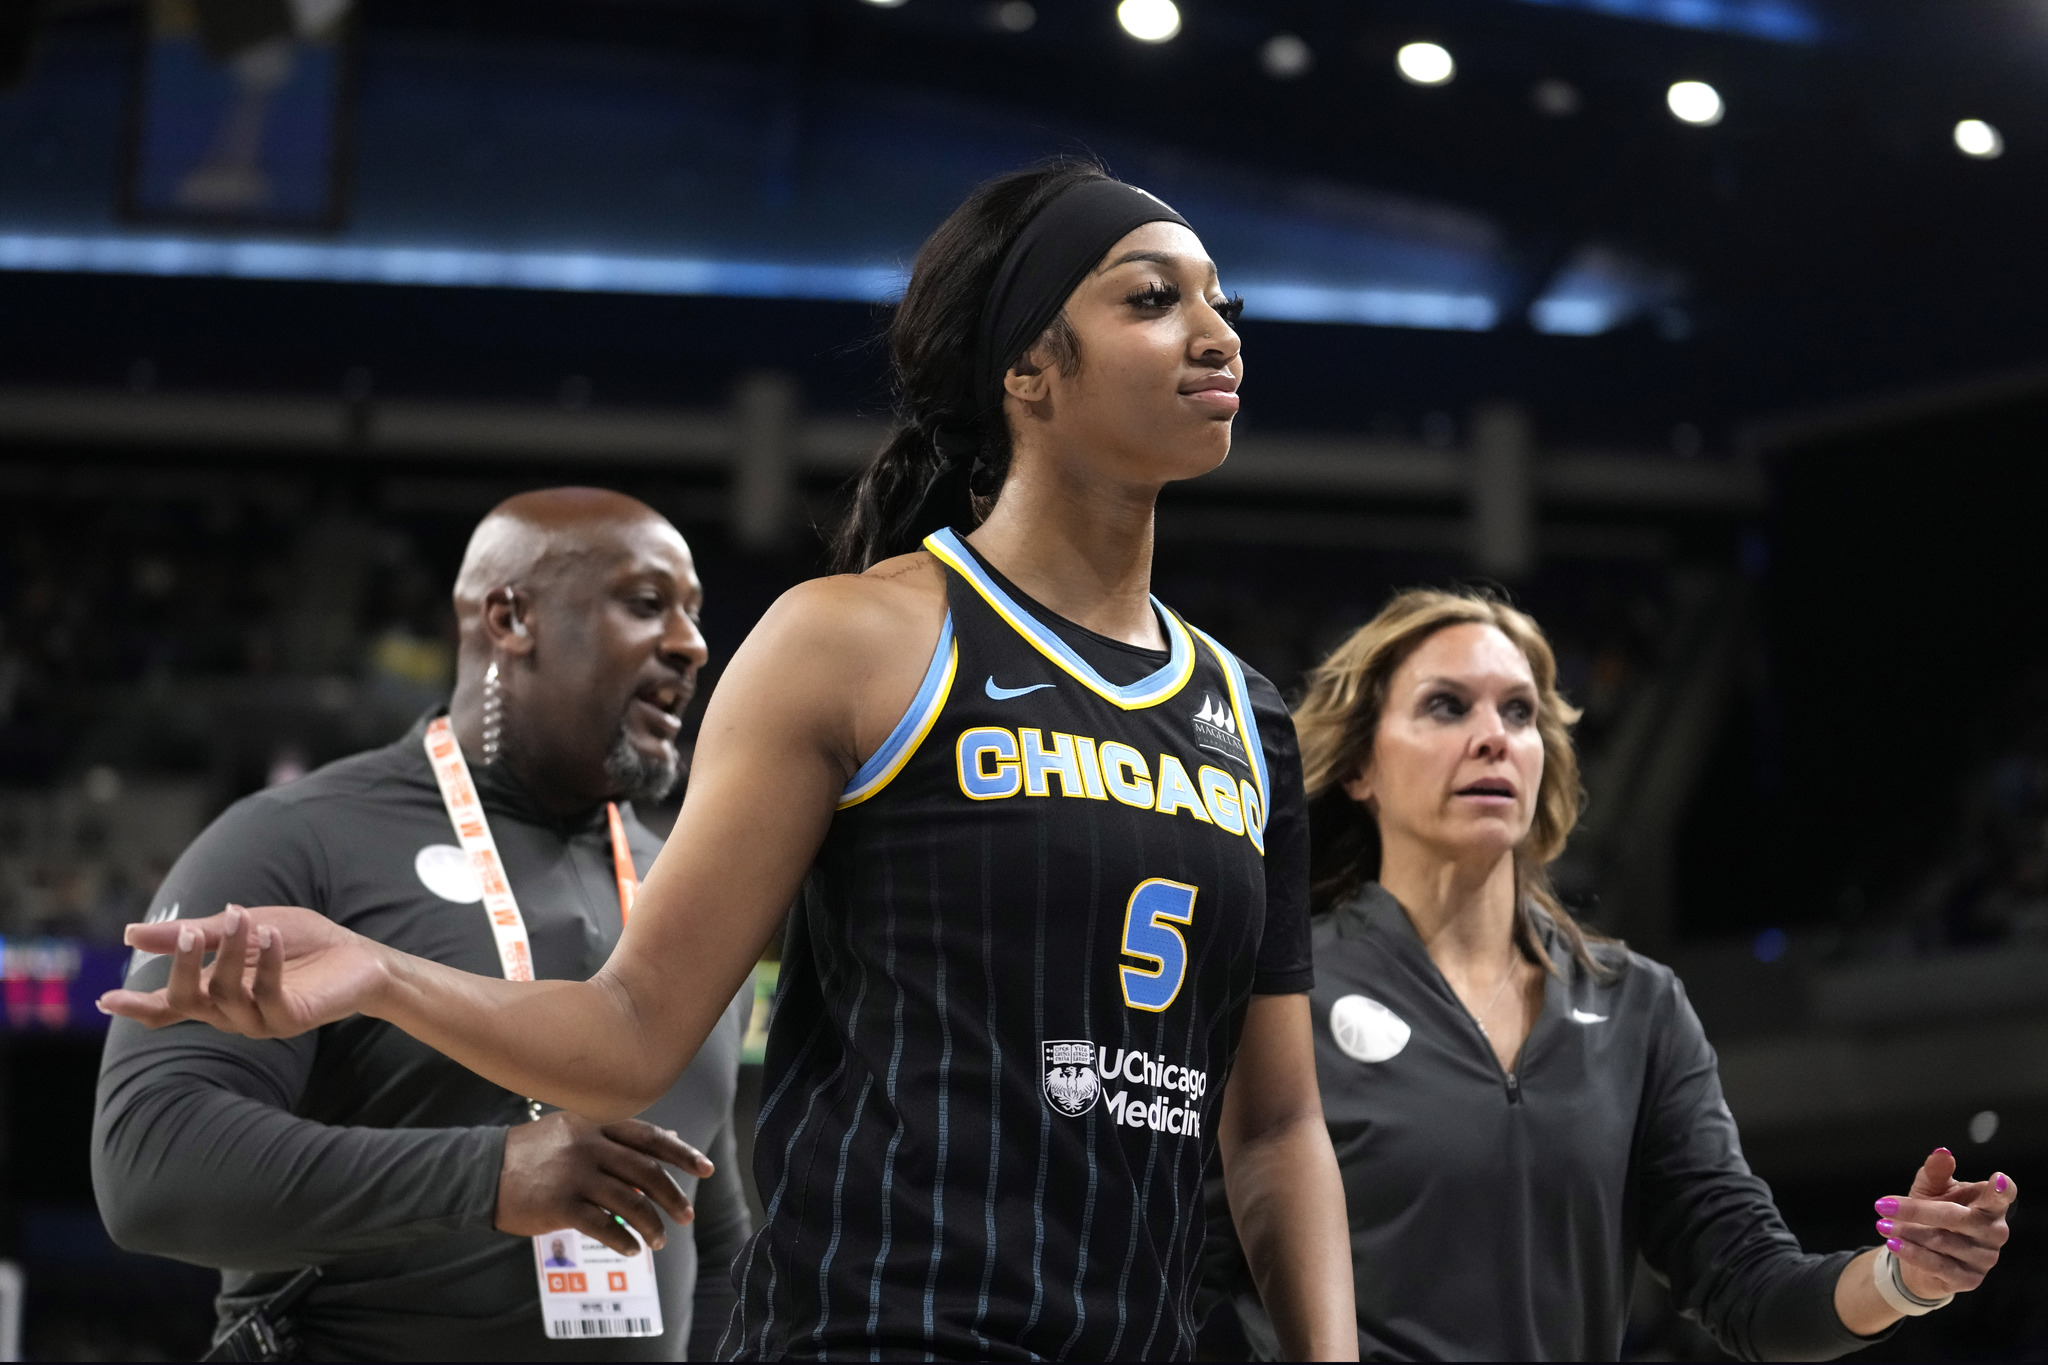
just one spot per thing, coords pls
(587, 1290)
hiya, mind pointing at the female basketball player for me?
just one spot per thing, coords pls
(1519, 1108)
(1052, 940)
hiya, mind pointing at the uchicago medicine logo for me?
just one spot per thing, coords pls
(1077, 1073)
(1070, 1082)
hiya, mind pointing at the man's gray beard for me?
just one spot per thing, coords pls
(637, 777)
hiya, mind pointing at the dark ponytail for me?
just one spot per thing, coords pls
(950, 452)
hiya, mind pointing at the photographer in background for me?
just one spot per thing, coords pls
(413, 1184)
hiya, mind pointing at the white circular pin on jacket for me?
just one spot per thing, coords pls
(446, 871)
(1366, 1030)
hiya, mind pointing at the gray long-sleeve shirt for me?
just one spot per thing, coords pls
(355, 1147)
(1498, 1215)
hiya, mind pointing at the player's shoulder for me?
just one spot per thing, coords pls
(890, 607)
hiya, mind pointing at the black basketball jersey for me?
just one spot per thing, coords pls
(1010, 998)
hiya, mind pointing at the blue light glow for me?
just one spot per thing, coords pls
(1572, 317)
(1598, 290)
(466, 267)
(1770, 945)
(607, 273)
(1777, 21)
(1285, 302)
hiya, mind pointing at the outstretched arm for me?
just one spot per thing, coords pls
(1286, 1196)
(818, 684)
(1711, 1228)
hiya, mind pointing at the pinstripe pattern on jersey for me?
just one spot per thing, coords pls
(1094, 1174)
(885, 1204)
(931, 1278)
(995, 1095)
(1171, 677)
(1044, 1113)
(735, 1338)
(929, 1199)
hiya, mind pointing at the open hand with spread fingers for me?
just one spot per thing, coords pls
(277, 971)
(1946, 1233)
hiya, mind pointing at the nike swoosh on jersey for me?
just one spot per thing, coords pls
(1586, 1017)
(1005, 693)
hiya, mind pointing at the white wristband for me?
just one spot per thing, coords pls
(1885, 1271)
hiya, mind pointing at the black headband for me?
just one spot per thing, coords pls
(1047, 262)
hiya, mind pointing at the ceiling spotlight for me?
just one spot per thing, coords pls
(1016, 16)
(885, 4)
(1149, 21)
(1976, 138)
(1286, 56)
(1555, 98)
(1425, 64)
(1695, 102)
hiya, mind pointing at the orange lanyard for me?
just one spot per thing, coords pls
(622, 862)
(473, 830)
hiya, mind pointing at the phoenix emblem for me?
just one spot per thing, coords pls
(1071, 1084)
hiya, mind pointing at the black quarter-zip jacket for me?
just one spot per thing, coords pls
(1497, 1215)
(355, 1147)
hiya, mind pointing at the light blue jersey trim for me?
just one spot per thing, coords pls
(910, 731)
(1149, 691)
(1241, 702)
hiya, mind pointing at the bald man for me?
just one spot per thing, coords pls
(414, 1185)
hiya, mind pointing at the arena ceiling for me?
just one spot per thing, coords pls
(1826, 237)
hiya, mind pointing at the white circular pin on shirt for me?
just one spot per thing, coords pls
(446, 871)
(1366, 1030)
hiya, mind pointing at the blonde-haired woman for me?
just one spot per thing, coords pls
(1520, 1107)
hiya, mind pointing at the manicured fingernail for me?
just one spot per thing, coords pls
(233, 918)
(265, 936)
(1894, 1243)
(101, 1008)
(188, 939)
(1887, 1206)
(1942, 1151)
(1886, 1226)
(1999, 1182)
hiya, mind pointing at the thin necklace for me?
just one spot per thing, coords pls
(1505, 976)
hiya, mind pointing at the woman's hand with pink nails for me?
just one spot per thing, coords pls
(278, 971)
(1946, 1233)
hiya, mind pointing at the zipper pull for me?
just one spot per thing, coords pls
(1514, 1088)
